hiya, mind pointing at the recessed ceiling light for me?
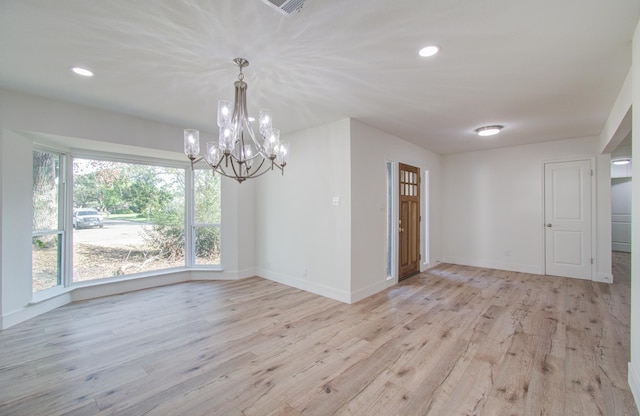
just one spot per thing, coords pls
(621, 162)
(488, 130)
(82, 71)
(429, 51)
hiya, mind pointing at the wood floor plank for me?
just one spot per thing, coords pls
(456, 340)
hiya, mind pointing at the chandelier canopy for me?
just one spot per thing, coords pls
(239, 153)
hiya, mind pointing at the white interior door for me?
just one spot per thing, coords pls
(567, 189)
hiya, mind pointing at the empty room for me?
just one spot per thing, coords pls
(319, 207)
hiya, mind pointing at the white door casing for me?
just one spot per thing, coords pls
(567, 212)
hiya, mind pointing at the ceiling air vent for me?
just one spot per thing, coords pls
(285, 6)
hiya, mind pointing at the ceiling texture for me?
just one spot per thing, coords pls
(544, 69)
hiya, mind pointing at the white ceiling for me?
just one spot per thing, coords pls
(544, 69)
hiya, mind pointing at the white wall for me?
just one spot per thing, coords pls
(370, 151)
(338, 251)
(618, 124)
(492, 205)
(621, 214)
(24, 118)
(634, 365)
(303, 240)
(16, 222)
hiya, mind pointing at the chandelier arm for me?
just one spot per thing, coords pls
(241, 122)
(195, 160)
(233, 167)
(215, 165)
(261, 173)
(245, 117)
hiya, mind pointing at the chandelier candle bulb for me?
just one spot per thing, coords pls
(264, 117)
(224, 113)
(282, 156)
(213, 155)
(246, 155)
(271, 143)
(191, 143)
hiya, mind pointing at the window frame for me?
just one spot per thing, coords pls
(65, 229)
(60, 231)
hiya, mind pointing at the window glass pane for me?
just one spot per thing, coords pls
(206, 197)
(46, 225)
(46, 257)
(127, 218)
(46, 189)
(207, 245)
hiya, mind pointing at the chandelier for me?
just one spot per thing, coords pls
(240, 154)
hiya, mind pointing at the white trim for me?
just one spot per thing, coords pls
(209, 274)
(318, 289)
(370, 290)
(603, 278)
(634, 383)
(92, 289)
(34, 309)
(425, 227)
(128, 285)
(515, 267)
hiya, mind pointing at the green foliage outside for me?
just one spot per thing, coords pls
(155, 195)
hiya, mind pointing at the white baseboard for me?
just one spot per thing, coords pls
(98, 289)
(34, 309)
(127, 285)
(603, 277)
(222, 274)
(358, 295)
(513, 267)
(634, 384)
(306, 285)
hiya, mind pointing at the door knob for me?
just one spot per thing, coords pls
(549, 225)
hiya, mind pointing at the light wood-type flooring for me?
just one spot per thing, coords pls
(454, 341)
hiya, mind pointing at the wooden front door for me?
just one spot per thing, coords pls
(409, 221)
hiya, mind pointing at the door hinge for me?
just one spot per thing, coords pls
(592, 260)
(591, 172)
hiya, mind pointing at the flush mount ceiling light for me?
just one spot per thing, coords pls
(621, 161)
(238, 147)
(82, 71)
(488, 130)
(429, 51)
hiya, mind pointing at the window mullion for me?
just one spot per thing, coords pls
(189, 229)
(67, 254)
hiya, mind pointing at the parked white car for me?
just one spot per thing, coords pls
(86, 218)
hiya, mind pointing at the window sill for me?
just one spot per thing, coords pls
(54, 292)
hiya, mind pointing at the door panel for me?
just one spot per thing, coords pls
(568, 219)
(409, 221)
